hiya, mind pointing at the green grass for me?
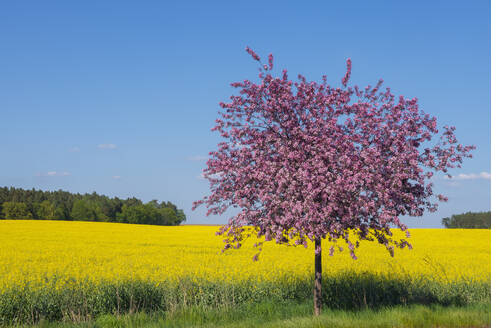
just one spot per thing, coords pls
(348, 292)
(297, 315)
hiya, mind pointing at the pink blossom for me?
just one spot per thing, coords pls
(253, 54)
(304, 160)
(348, 72)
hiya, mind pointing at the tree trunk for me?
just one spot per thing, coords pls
(318, 278)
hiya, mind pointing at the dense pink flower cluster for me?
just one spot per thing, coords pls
(304, 160)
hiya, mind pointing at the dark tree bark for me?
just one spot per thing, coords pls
(318, 278)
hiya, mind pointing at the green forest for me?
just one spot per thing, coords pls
(18, 204)
(469, 220)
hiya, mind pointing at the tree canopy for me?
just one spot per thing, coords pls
(469, 220)
(17, 203)
(306, 161)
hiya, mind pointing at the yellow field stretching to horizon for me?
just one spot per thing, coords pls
(39, 252)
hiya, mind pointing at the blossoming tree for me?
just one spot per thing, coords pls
(307, 161)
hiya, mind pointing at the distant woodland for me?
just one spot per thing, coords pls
(469, 220)
(16, 203)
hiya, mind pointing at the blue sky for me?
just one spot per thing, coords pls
(118, 97)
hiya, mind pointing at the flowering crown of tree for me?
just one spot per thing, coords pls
(304, 160)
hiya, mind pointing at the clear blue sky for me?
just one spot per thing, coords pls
(118, 97)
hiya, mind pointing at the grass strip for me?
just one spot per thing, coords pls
(297, 315)
(83, 302)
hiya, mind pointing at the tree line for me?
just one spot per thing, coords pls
(469, 220)
(17, 203)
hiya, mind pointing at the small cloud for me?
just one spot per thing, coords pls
(106, 146)
(452, 183)
(54, 174)
(117, 177)
(213, 176)
(74, 150)
(471, 176)
(197, 158)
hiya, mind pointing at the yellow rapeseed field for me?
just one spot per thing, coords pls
(37, 252)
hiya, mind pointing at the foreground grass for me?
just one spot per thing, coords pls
(298, 315)
(349, 291)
